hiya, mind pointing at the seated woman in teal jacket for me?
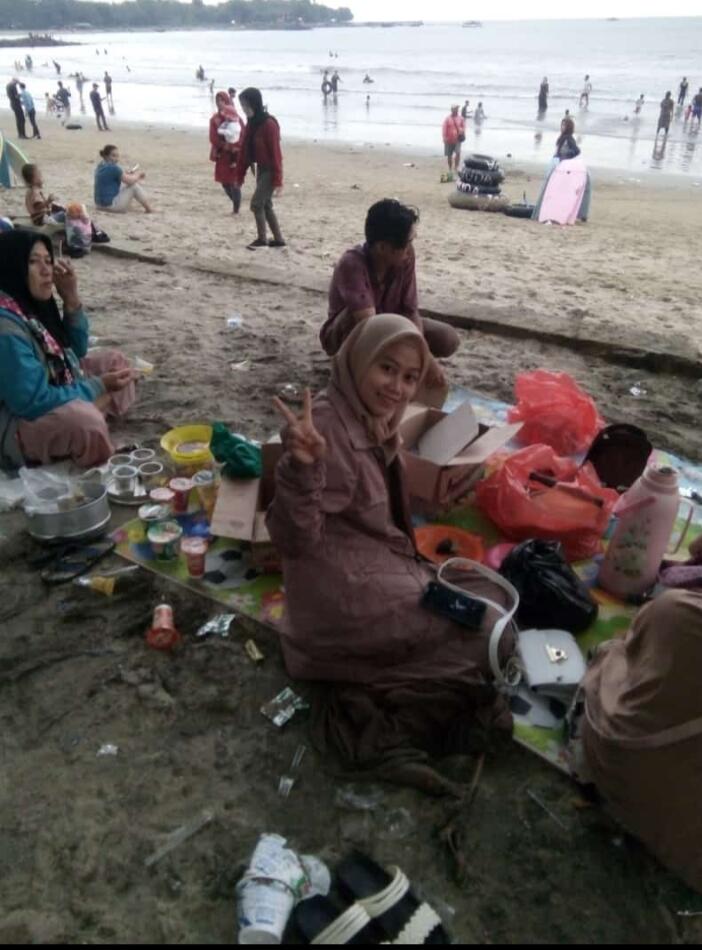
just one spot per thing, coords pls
(53, 396)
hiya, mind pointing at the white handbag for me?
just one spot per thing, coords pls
(548, 661)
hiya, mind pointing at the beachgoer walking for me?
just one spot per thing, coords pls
(225, 136)
(682, 93)
(543, 95)
(465, 111)
(13, 95)
(57, 67)
(80, 82)
(666, 114)
(107, 79)
(326, 84)
(96, 100)
(454, 135)
(30, 109)
(29, 63)
(63, 95)
(638, 106)
(585, 94)
(115, 189)
(379, 277)
(367, 80)
(697, 108)
(479, 116)
(260, 146)
(335, 80)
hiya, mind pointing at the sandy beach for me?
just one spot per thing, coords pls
(75, 828)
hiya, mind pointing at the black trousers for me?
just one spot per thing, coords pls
(32, 116)
(19, 120)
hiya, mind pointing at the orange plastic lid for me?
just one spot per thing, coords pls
(432, 539)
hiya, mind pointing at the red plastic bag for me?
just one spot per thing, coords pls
(523, 508)
(555, 412)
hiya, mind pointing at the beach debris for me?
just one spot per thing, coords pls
(107, 749)
(409, 165)
(234, 321)
(355, 187)
(178, 837)
(287, 781)
(253, 652)
(143, 366)
(296, 185)
(155, 696)
(162, 635)
(108, 581)
(544, 807)
(396, 825)
(283, 707)
(216, 627)
(93, 341)
(638, 391)
(689, 913)
(359, 798)
(290, 392)
(242, 367)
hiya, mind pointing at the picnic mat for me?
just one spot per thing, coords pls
(231, 579)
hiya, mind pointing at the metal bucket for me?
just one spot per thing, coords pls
(89, 520)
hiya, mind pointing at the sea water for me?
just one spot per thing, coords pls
(418, 73)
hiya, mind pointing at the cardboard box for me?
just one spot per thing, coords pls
(445, 453)
(240, 511)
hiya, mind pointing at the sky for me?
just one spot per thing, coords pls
(513, 9)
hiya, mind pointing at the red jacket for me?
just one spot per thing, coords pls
(267, 151)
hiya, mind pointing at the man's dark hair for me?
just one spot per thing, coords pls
(389, 220)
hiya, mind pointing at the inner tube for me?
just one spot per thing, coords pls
(520, 211)
(484, 163)
(457, 199)
(472, 176)
(327, 87)
(479, 189)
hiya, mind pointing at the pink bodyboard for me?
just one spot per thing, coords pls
(564, 192)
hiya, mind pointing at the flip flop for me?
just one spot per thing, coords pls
(73, 561)
(323, 923)
(387, 898)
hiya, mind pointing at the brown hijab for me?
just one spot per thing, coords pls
(361, 349)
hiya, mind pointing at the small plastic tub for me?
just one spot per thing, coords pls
(164, 539)
(195, 551)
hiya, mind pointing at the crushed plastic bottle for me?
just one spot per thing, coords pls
(396, 825)
(638, 391)
(234, 321)
(110, 581)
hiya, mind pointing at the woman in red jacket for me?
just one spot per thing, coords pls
(260, 145)
(225, 135)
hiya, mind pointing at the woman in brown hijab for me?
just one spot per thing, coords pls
(405, 679)
(642, 730)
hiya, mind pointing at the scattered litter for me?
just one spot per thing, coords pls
(234, 321)
(281, 709)
(143, 366)
(108, 750)
(690, 913)
(93, 341)
(409, 165)
(396, 825)
(359, 797)
(296, 185)
(216, 627)
(242, 367)
(618, 842)
(253, 652)
(535, 798)
(291, 392)
(107, 581)
(275, 881)
(638, 391)
(287, 781)
(162, 635)
(355, 188)
(180, 836)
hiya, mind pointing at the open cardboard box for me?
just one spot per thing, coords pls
(445, 453)
(240, 512)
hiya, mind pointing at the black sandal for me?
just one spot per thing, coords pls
(322, 922)
(387, 898)
(74, 560)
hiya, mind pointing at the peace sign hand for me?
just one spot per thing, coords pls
(303, 441)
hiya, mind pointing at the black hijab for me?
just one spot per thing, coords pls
(15, 250)
(253, 98)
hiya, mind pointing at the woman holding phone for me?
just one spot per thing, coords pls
(54, 396)
(115, 188)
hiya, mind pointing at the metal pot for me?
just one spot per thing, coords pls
(89, 520)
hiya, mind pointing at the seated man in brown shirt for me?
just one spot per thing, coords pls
(379, 277)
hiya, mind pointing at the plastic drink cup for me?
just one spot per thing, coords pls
(152, 514)
(125, 477)
(206, 487)
(162, 496)
(118, 460)
(164, 540)
(195, 551)
(181, 488)
(151, 474)
(139, 456)
(263, 910)
(162, 634)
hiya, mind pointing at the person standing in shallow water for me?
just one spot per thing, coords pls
(543, 95)
(260, 146)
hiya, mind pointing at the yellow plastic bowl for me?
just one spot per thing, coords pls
(189, 447)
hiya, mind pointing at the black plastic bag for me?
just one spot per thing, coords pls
(552, 596)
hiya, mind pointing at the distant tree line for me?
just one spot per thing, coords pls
(56, 14)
